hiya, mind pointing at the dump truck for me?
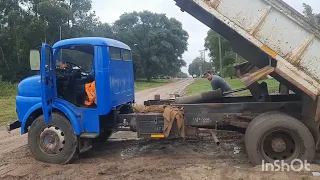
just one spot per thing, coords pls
(273, 37)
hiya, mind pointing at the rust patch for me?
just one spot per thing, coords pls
(236, 123)
(157, 97)
(295, 56)
(300, 86)
(214, 3)
(256, 76)
(191, 131)
(317, 114)
(262, 20)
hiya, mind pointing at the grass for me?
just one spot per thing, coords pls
(7, 89)
(8, 92)
(7, 102)
(142, 84)
(203, 85)
(8, 110)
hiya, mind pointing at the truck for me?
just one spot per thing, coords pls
(272, 36)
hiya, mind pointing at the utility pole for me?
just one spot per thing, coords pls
(45, 33)
(60, 33)
(60, 40)
(236, 57)
(203, 56)
(220, 56)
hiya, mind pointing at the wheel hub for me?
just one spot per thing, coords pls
(52, 140)
(279, 145)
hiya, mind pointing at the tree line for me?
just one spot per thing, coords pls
(229, 57)
(157, 41)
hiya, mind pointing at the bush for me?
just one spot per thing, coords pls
(228, 71)
(7, 89)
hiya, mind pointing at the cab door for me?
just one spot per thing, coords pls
(48, 81)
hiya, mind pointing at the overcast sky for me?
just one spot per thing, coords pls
(110, 10)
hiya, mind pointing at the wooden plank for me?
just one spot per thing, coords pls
(256, 76)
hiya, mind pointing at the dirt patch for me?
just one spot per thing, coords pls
(125, 157)
(193, 158)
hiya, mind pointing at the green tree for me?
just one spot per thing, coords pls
(158, 42)
(212, 44)
(227, 62)
(24, 24)
(14, 21)
(229, 57)
(310, 15)
(198, 67)
(181, 75)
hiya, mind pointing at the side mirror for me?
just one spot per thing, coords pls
(35, 60)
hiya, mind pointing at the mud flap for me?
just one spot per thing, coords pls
(311, 117)
(84, 145)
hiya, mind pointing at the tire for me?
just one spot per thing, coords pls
(257, 120)
(103, 137)
(262, 139)
(39, 144)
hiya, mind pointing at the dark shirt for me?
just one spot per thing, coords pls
(219, 83)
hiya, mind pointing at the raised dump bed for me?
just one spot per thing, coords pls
(266, 32)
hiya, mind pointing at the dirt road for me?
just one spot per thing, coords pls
(164, 91)
(128, 158)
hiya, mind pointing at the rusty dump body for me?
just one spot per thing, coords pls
(277, 41)
(262, 29)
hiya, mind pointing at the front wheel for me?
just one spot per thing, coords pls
(277, 136)
(54, 142)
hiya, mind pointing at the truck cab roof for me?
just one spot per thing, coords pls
(94, 41)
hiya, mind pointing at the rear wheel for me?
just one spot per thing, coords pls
(54, 142)
(276, 136)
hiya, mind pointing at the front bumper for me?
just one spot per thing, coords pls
(13, 125)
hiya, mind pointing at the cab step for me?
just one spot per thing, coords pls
(89, 135)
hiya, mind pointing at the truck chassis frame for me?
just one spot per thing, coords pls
(229, 113)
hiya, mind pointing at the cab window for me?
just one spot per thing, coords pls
(126, 55)
(49, 66)
(115, 53)
(77, 56)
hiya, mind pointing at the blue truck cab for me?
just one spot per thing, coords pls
(50, 106)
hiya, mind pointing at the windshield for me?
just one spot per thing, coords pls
(77, 56)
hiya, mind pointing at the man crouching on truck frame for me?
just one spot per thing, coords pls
(217, 82)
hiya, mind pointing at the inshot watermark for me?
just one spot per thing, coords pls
(296, 165)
